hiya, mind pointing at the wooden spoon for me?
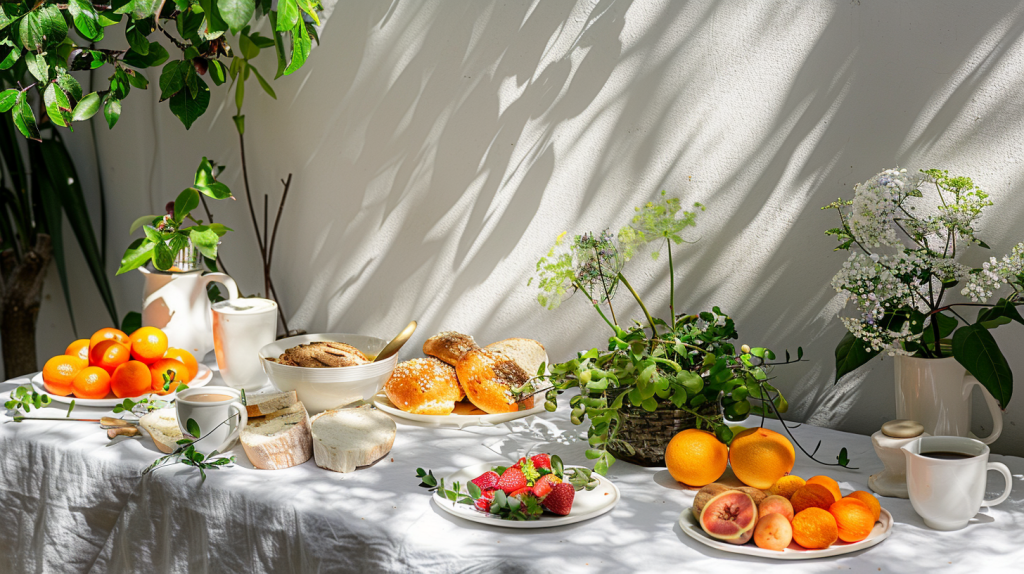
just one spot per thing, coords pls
(391, 348)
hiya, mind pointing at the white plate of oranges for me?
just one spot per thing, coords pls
(112, 366)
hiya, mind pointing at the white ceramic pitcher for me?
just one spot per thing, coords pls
(177, 303)
(937, 394)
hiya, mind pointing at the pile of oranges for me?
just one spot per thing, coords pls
(112, 362)
(819, 515)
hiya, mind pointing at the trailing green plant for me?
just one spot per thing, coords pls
(905, 233)
(35, 36)
(687, 363)
(166, 236)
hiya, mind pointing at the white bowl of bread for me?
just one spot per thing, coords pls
(457, 369)
(306, 364)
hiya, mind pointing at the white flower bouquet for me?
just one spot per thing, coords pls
(905, 233)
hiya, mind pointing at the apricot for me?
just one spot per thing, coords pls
(827, 482)
(815, 528)
(869, 499)
(853, 518)
(787, 485)
(812, 496)
(773, 532)
(776, 504)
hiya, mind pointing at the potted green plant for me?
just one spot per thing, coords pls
(175, 292)
(906, 233)
(658, 377)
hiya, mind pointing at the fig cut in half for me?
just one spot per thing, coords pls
(730, 517)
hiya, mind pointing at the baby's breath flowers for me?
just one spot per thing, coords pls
(905, 232)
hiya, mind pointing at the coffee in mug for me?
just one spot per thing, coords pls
(946, 477)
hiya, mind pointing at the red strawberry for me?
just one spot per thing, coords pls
(544, 485)
(511, 480)
(559, 501)
(541, 461)
(484, 502)
(522, 493)
(487, 480)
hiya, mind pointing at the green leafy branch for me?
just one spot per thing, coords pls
(25, 398)
(141, 406)
(35, 38)
(187, 454)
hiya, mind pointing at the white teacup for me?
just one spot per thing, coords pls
(241, 327)
(946, 478)
(219, 413)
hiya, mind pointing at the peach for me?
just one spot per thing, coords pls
(776, 504)
(773, 532)
(812, 496)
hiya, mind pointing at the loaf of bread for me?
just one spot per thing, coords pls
(162, 426)
(527, 353)
(278, 440)
(348, 438)
(488, 379)
(261, 404)
(449, 346)
(323, 354)
(424, 386)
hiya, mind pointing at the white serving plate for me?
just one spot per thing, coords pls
(465, 414)
(202, 378)
(879, 533)
(586, 504)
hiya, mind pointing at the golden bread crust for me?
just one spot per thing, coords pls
(488, 380)
(425, 386)
(449, 346)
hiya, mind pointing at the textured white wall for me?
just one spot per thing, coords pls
(438, 148)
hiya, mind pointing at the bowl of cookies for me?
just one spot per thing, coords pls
(327, 370)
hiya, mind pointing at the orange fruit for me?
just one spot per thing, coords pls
(79, 348)
(59, 371)
(175, 370)
(109, 354)
(185, 357)
(868, 499)
(760, 457)
(853, 518)
(91, 383)
(132, 379)
(696, 457)
(812, 496)
(828, 483)
(787, 485)
(148, 344)
(106, 334)
(815, 528)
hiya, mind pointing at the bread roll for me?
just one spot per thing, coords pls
(449, 346)
(424, 386)
(349, 438)
(488, 379)
(527, 353)
(162, 426)
(279, 440)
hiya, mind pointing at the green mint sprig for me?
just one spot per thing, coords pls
(187, 454)
(24, 398)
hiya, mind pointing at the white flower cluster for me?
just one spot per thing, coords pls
(994, 273)
(880, 285)
(875, 204)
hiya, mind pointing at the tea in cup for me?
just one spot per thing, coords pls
(219, 413)
(946, 478)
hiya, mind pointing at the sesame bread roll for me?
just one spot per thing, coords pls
(488, 379)
(424, 386)
(449, 346)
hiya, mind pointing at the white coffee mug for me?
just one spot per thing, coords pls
(241, 327)
(946, 478)
(219, 420)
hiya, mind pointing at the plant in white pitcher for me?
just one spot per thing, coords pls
(167, 236)
(906, 232)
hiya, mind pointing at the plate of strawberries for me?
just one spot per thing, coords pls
(533, 492)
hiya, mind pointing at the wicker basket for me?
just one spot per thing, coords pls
(650, 432)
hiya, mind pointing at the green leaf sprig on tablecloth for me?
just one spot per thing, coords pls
(187, 454)
(24, 398)
(906, 234)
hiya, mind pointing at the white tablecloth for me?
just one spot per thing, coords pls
(72, 501)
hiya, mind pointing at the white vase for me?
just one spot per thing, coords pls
(937, 394)
(177, 303)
